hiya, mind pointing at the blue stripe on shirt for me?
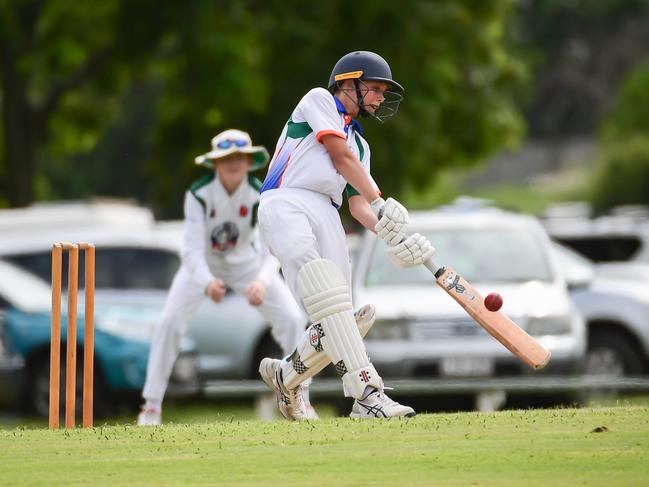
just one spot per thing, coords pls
(276, 172)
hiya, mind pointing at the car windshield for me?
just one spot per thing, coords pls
(23, 290)
(479, 255)
(115, 268)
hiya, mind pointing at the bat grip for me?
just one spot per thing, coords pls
(431, 266)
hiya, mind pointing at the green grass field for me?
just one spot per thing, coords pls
(532, 447)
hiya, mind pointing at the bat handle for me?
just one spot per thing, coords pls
(432, 267)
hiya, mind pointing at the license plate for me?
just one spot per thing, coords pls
(466, 366)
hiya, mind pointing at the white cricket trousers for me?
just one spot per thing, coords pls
(287, 321)
(299, 226)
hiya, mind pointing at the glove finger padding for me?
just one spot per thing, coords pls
(392, 236)
(413, 251)
(393, 223)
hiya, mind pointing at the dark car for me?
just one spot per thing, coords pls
(121, 346)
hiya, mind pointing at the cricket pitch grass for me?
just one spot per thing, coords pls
(603, 446)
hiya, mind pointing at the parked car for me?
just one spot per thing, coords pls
(12, 364)
(135, 264)
(616, 309)
(121, 346)
(422, 332)
(60, 217)
(621, 235)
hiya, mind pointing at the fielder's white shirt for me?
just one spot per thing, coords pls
(302, 161)
(220, 230)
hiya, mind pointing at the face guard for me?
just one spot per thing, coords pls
(386, 110)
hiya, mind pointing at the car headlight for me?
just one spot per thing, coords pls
(388, 330)
(549, 325)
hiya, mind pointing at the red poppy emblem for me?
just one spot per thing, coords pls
(243, 211)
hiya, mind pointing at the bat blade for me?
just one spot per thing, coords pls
(497, 324)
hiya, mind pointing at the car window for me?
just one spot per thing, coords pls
(479, 255)
(23, 290)
(604, 248)
(115, 268)
(570, 256)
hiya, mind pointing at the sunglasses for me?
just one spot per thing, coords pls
(226, 144)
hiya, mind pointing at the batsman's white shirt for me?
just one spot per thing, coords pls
(302, 191)
(221, 240)
(301, 160)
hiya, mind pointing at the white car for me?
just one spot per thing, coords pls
(422, 332)
(136, 260)
(615, 305)
(622, 235)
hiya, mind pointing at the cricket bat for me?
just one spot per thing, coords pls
(497, 324)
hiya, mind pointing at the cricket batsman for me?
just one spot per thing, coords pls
(320, 157)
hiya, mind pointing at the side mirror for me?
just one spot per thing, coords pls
(578, 277)
(577, 270)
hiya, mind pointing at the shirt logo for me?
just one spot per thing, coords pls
(224, 237)
(243, 211)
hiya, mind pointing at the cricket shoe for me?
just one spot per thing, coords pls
(290, 401)
(378, 405)
(310, 410)
(149, 417)
(310, 413)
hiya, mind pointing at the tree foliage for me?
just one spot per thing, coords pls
(117, 97)
(622, 176)
(629, 114)
(580, 50)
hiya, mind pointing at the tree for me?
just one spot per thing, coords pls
(580, 50)
(452, 57)
(622, 175)
(117, 97)
(62, 66)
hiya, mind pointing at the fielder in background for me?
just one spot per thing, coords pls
(321, 155)
(221, 249)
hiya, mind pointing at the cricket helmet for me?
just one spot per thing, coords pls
(363, 66)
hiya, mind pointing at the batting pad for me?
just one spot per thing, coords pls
(309, 358)
(327, 300)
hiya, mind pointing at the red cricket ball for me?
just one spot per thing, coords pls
(493, 301)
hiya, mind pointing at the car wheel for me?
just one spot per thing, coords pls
(612, 354)
(38, 394)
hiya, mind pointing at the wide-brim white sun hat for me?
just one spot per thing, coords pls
(234, 141)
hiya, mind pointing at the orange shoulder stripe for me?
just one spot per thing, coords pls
(322, 133)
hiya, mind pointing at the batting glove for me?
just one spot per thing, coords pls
(393, 220)
(413, 251)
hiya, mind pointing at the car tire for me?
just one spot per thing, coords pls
(38, 390)
(612, 354)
